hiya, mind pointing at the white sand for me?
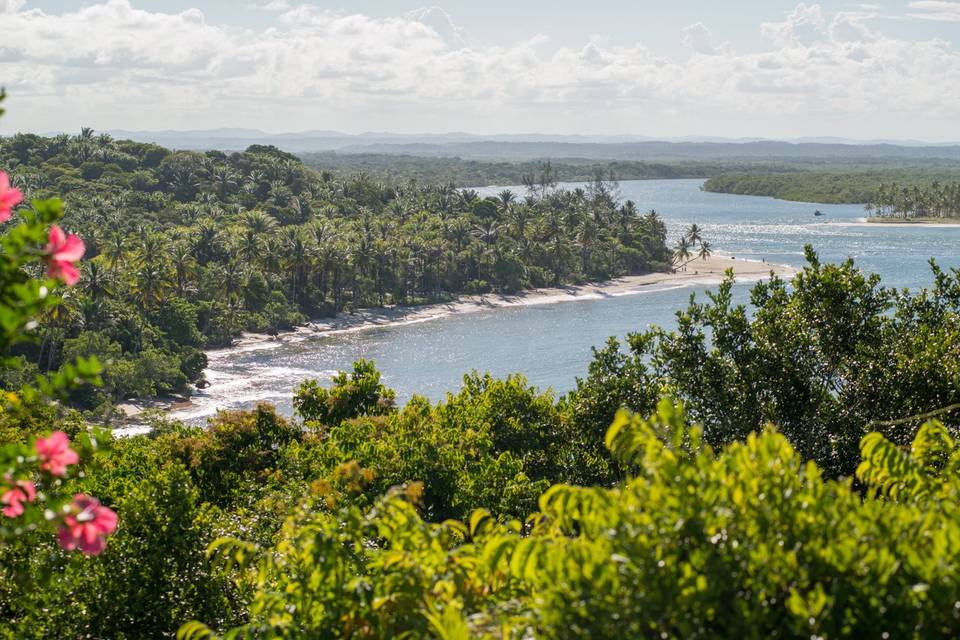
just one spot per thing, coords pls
(709, 271)
(698, 272)
(863, 222)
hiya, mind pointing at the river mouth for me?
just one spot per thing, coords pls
(551, 344)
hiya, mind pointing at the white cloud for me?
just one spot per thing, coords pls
(936, 10)
(441, 22)
(274, 5)
(698, 37)
(10, 6)
(112, 65)
(804, 27)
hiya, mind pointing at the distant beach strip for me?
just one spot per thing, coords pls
(697, 272)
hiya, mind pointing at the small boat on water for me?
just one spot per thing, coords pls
(819, 213)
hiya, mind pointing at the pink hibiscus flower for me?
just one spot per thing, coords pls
(87, 526)
(9, 197)
(62, 252)
(55, 453)
(13, 498)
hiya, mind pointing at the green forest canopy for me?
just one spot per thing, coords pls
(836, 184)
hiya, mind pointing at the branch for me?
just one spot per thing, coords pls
(916, 418)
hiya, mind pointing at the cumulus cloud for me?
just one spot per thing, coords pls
(441, 22)
(273, 5)
(802, 28)
(112, 64)
(9, 6)
(938, 10)
(698, 37)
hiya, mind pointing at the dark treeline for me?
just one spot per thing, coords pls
(187, 249)
(832, 184)
(902, 201)
(397, 169)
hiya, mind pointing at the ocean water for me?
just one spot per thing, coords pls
(551, 343)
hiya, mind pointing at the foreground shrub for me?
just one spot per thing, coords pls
(359, 393)
(496, 444)
(746, 542)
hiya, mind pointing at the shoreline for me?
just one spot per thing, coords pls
(709, 271)
(912, 222)
(698, 272)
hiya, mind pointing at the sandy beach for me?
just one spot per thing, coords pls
(698, 272)
(895, 223)
(709, 271)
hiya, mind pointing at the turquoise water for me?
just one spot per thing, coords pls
(551, 343)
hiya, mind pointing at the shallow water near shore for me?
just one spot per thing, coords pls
(550, 342)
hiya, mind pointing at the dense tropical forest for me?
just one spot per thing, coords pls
(185, 250)
(834, 184)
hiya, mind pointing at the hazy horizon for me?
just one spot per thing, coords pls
(776, 70)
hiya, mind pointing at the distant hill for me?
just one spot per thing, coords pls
(520, 147)
(662, 151)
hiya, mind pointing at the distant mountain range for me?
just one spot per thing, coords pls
(529, 146)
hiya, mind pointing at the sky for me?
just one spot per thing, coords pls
(771, 68)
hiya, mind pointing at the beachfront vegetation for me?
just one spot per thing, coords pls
(936, 201)
(691, 246)
(833, 185)
(185, 250)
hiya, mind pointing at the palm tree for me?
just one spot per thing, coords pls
(82, 146)
(469, 196)
(184, 182)
(182, 262)
(459, 232)
(326, 257)
(115, 250)
(298, 260)
(705, 250)
(587, 236)
(681, 251)
(694, 234)
(150, 284)
(559, 251)
(280, 193)
(627, 217)
(259, 221)
(487, 231)
(96, 282)
(232, 279)
(226, 179)
(250, 246)
(207, 242)
(505, 200)
(519, 219)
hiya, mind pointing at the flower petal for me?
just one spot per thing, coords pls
(55, 239)
(71, 250)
